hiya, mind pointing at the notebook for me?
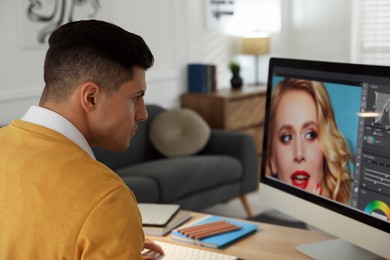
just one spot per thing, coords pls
(217, 241)
(180, 217)
(154, 214)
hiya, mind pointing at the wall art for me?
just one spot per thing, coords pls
(39, 18)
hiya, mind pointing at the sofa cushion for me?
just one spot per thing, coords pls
(179, 132)
(181, 177)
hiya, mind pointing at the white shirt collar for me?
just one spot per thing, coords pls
(54, 121)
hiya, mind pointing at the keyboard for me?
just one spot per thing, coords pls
(177, 252)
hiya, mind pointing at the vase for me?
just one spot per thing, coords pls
(236, 82)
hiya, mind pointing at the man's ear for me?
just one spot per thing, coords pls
(89, 93)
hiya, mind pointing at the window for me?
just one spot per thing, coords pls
(371, 32)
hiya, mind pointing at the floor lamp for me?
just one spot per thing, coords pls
(255, 46)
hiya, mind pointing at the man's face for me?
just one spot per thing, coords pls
(117, 115)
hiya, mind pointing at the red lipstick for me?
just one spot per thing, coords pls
(300, 179)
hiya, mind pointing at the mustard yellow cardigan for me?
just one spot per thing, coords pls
(56, 202)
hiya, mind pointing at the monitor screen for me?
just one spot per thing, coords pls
(327, 142)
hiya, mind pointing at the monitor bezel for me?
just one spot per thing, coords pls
(349, 68)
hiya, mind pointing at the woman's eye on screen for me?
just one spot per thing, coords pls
(311, 135)
(285, 138)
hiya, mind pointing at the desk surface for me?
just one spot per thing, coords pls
(269, 242)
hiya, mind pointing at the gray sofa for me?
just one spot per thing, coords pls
(226, 168)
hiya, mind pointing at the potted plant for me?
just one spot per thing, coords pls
(236, 80)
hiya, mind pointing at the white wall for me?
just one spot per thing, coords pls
(309, 29)
(177, 34)
(319, 29)
(175, 30)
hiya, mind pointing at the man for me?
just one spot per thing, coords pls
(57, 201)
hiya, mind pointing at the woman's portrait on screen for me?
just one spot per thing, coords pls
(305, 147)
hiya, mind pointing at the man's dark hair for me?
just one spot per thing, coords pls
(95, 51)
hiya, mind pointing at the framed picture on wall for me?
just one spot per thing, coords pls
(219, 13)
(39, 18)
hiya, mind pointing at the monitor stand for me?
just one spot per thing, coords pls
(335, 249)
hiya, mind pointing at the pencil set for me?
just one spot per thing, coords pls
(209, 229)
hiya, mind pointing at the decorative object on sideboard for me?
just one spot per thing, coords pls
(256, 45)
(236, 80)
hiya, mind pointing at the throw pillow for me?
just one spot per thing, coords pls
(179, 132)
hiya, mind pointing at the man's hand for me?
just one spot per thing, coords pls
(152, 251)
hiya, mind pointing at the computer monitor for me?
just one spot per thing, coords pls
(326, 151)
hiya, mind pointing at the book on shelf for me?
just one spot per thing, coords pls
(180, 217)
(219, 240)
(201, 77)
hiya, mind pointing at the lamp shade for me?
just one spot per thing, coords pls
(255, 45)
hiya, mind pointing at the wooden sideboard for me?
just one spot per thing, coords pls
(235, 110)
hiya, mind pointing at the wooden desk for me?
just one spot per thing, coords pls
(269, 242)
